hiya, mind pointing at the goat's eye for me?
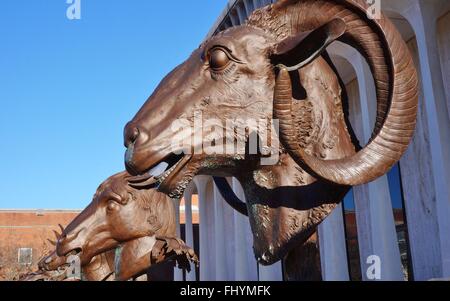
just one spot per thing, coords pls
(112, 206)
(218, 59)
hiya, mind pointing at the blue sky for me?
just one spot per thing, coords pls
(68, 87)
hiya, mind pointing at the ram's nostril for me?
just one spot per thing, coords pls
(134, 134)
(131, 134)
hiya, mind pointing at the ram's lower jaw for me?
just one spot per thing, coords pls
(170, 176)
(176, 179)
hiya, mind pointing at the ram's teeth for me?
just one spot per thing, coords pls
(163, 176)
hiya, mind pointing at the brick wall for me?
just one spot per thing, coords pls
(27, 229)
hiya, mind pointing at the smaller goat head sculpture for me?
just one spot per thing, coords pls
(117, 214)
(54, 268)
(52, 261)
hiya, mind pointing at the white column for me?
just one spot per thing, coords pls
(206, 211)
(333, 250)
(178, 273)
(230, 238)
(374, 213)
(376, 227)
(246, 267)
(219, 237)
(271, 273)
(191, 276)
(423, 20)
(420, 205)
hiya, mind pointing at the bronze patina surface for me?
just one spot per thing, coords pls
(276, 67)
(141, 223)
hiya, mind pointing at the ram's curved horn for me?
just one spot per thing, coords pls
(395, 80)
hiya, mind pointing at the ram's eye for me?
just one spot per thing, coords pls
(218, 59)
(112, 205)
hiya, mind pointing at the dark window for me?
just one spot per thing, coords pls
(25, 256)
(397, 199)
(351, 235)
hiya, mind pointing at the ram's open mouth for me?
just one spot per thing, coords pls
(159, 173)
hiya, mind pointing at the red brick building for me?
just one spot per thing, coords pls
(23, 237)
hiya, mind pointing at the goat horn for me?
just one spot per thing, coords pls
(57, 235)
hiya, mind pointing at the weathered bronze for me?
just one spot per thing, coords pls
(276, 66)
(102, 267)
(54, 268)
(141, 223)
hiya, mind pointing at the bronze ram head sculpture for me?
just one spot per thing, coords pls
(276, 67)
(141, 224)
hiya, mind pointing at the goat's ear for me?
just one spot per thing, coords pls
(300, 50)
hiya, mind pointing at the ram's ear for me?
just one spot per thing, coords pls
(300, 50)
